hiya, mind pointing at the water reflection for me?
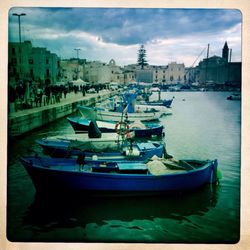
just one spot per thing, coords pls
(48, 213)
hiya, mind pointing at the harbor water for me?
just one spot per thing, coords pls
(204, 125)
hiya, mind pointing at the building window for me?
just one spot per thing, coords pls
(164, 76)
(32, 73)
(156, 71)
(171, 78)
(47, 72)
(163, 71)
(47, 61)
(14, 61)
(31, 61)
(13, 51)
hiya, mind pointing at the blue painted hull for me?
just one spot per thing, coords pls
(82, 125)
(64, 176)
(63, 149)
(166, 103)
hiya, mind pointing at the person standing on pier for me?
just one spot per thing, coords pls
(47, 93)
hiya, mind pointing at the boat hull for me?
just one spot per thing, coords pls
(104, 115)
(166, 103)
(116, 116)
(144, 151)
(82, 125)
(45, 178)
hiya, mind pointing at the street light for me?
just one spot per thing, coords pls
(19, 22)
(77, 54)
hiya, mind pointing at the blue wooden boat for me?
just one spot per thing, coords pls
(99, 149)
(165, 102)
(82, 125)
(55, 174)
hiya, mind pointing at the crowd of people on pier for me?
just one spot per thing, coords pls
(28, 94)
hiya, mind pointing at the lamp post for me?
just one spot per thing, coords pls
(77, 54)
(19, 22)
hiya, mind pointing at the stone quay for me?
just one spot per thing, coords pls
(23, 121)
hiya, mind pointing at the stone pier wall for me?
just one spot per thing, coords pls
(25, 121)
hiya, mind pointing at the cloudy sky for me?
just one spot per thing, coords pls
(168, 35)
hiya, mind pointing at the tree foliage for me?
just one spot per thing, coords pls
(141, 61)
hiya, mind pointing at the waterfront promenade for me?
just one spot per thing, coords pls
(22, 121)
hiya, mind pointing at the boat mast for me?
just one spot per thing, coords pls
(206, 63)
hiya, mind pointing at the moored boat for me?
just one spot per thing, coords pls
(140, 130)
(153, 108)
(165, 102)
(101, 150)
(55, 174)
(101, 114)
(234, 97)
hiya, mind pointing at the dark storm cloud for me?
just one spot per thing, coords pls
(132, 26)
(105, 33)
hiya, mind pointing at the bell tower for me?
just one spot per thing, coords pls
(225, 51)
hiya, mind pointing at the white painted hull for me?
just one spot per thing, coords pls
(103, 115)
(116, 117)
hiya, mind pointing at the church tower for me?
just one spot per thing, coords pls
(225, 51)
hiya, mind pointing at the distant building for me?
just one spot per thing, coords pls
(175, 73)
(172, 73)
(30, 63)
(99, 72)
(129, 72)
(116, 72)
(129, 76)
(191, 75)
(218, 70)
(71, 70)
(144, 75)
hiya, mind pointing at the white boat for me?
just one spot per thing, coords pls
(106, 115)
